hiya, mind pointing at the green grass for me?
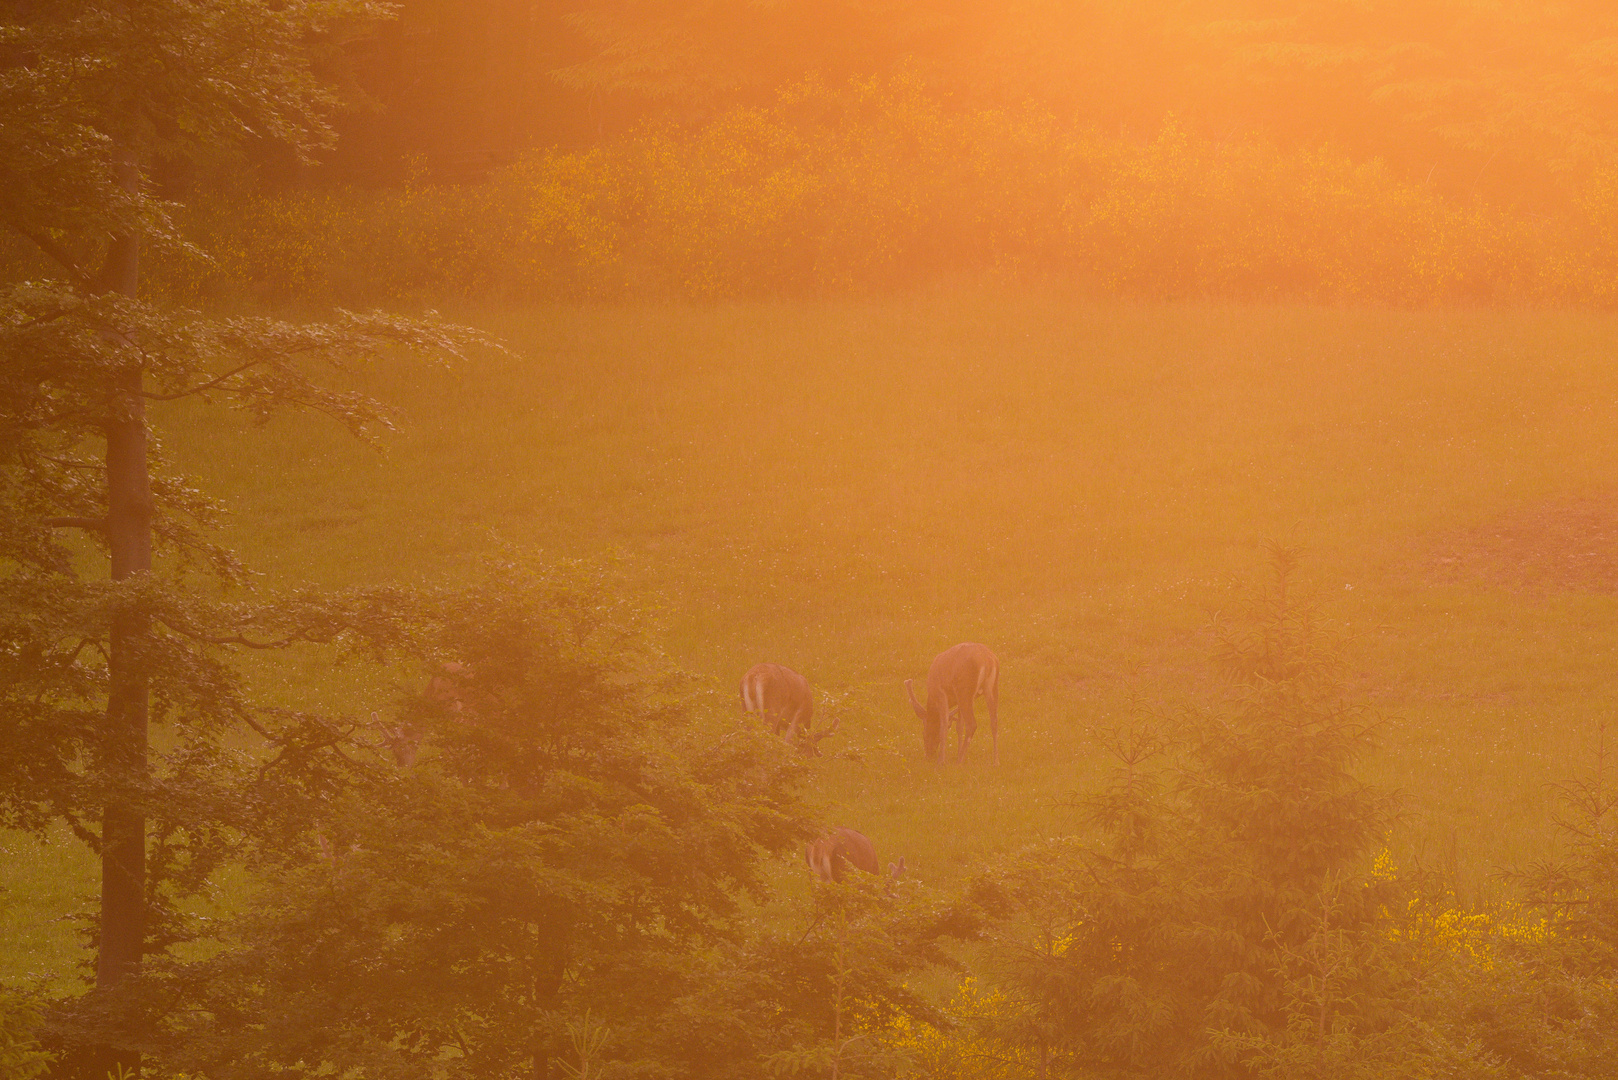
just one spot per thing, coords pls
(44, 889)
(850, 487)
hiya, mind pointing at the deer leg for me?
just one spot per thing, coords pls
(968, 725)
(943, 726)
(992, 700)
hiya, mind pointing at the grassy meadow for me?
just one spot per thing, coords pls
(848, 487)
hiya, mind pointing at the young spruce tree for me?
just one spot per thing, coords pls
(1188, 935)
(533, 895)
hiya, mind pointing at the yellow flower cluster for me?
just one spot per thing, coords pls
(964, 1049)
(1437, 927)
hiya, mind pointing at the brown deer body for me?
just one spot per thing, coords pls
(958, 675)
(781, 696)
(828, 855)
(842, 847)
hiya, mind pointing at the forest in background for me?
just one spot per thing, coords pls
(1446, 151)
(1514, 103)
(876, 186)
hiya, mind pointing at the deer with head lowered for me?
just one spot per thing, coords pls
(958, 675)
(842, 847)
(781, 696)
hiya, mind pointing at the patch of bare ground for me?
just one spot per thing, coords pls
(1563, 545)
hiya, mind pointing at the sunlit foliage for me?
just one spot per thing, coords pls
(1512, 102)
(877, 184)
(20, 1055)
(972, 1039)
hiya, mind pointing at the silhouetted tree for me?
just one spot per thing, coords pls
(92, 95)
(1228, 893)
(560, 865)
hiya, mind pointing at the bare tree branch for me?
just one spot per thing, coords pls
(93, 524)
(60, 254)
(209, 385)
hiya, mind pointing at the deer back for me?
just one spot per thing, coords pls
(775, 689)
(963, 672)
(827, 855)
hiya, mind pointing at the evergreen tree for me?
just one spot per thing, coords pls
(1229, 880)
(100, 639)
(1546, 1002)
(541, 883)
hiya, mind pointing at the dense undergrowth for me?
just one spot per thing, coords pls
(880, 185)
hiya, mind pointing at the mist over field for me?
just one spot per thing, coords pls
(1173, 444)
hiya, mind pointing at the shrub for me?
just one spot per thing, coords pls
(878, 185)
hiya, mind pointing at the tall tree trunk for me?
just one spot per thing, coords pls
(124, 745)
(123, 842)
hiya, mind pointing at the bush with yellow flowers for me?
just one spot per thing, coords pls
(980, 1035)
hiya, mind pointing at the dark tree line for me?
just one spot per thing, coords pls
(1509, 102)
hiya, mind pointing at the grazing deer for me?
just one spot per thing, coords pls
(781, 696)
(959, 674)
(828, 855)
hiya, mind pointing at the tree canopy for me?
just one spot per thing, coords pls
(1513, 102)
